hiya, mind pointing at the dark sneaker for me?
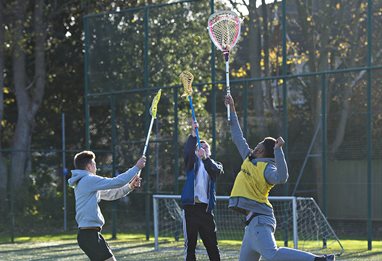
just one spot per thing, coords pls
(330, 257)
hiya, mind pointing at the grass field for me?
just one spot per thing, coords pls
(135, 247)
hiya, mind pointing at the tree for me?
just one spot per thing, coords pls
(27, 25)
(28, 94)
(115, 48)
(259, 55)
(335, 38)
(321, 36)
(44, 76)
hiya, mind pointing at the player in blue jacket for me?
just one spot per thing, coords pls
(198, 197)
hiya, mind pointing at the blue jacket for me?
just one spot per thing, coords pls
(212, 167)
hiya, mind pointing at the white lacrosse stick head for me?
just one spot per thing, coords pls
(224, 29)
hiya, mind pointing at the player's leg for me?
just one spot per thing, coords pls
(294, 254)
(94, 245)
(190, 230)
(247, 250)
(207, 233)
(265, 243)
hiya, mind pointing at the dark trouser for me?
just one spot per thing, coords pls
(197, 220)
(93, 244)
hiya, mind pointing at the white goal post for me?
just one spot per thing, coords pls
(299, 220)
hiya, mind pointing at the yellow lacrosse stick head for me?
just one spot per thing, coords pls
(186, 78)
(154, 104)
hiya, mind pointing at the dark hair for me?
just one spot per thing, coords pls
(203, 141)
(82, 159)
(269, 144)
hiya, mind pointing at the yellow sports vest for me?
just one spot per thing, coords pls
(250, 183)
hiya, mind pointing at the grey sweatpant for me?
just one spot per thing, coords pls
(259, 241)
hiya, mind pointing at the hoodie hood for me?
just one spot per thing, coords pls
(77, 174)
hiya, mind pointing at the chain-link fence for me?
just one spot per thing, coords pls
(309, 71)
(318, 86)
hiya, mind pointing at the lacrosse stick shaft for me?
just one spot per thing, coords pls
(194, 119)
(226, 56)
(148, 137)
(146, 144)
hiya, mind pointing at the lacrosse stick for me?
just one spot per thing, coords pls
(153, 112)
(186, 78)
(224, 31)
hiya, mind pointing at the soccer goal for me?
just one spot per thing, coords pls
(300, 224)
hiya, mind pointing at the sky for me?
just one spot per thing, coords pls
(244, 10)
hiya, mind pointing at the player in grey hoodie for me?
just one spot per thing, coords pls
(89, 189)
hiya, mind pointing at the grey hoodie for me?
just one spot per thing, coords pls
(89, 189)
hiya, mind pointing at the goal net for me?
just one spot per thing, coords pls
(300, 225)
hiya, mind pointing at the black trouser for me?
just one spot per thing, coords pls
(197, 220)
(93, 244)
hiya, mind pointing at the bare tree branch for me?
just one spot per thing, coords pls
(235, 5)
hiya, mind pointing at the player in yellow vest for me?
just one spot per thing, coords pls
(262, 169)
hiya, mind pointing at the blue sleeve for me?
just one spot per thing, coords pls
(189, 152)
(238, 137)
(213, 168)
(277, 173)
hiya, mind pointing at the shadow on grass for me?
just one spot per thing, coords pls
(30, 248)
(364, 254)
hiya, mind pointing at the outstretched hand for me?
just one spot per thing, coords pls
(135, 182)
(202, 154)
(141, 163)
(279, 142)
(194, 126)
(228, 101)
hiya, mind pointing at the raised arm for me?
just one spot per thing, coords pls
(101, 183)
(189, 148)
(213, 168)
(278, 173)
(236, 132)
(113, 194)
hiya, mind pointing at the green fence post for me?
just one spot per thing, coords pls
(113, 144)
(175, 141)
(324, 142)
(64, 184)
(213, 79)
(285, 99)
(146, 86)
(12, 205)
(285, 89)
(369, 127)
(245, 108)
(86, 82)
